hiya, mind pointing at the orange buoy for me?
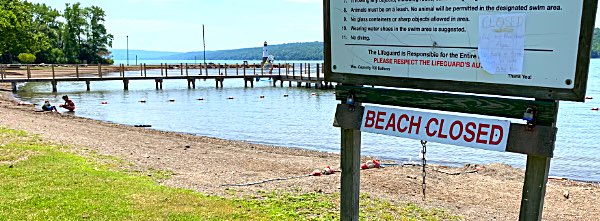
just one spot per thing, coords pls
(595, 108)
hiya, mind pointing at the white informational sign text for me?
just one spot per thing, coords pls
(513, 42)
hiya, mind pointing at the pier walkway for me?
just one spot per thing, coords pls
(280, 73)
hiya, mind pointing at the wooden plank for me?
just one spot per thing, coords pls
(350, 177)
(491, 106)
(538, 141)
(534, 188)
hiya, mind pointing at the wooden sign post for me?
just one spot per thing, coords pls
(482, 48)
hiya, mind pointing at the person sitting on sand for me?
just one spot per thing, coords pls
(48, 107)
(69, 105)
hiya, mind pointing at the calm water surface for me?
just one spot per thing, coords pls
(304, 120)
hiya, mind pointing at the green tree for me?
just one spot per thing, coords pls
(73, 31)
(17, 35)
(26, 58)
(98, 39)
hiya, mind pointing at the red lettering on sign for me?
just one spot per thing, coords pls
(431, 134)
(402, 129)
(500, 135)
(480, 132)
(414, 124)
(391, 122)
(452, 130)
(380, 120)
(441, 133)
(469, 128)
(370, 119)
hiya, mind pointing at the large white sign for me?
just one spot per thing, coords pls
(465, 131)
(516, 42)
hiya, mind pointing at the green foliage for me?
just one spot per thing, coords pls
(26, 58)
(77, 35)
(41, 181)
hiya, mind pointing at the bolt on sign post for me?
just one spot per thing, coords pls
(536, 50)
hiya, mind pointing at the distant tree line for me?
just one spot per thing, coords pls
(37, 33)
(290, 51)
(596, 43)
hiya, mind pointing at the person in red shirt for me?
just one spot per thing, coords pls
(69, 105)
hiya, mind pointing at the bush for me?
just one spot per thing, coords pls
(26, 58)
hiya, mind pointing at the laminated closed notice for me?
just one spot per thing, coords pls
(481, 133)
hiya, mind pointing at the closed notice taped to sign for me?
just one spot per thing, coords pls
(481, 133)
(516, 42)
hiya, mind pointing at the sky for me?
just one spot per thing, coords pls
(176, 25)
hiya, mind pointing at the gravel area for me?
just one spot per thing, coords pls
(205, 164)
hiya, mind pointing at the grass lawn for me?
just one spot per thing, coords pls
(43, 181)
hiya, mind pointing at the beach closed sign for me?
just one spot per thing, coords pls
(481, 133)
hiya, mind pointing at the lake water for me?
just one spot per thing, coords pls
(305, 120)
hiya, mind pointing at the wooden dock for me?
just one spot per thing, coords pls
(279, 73)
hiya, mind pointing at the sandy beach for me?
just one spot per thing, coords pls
(207, 164)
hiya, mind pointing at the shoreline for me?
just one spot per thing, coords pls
(204, 164)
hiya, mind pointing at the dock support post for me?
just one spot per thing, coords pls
(166, 70)
(280, 82)
(186, 70)
(145, 70)
(158, 83)
(87, 84)
(77, 70)
(294, 70)
(301, 67)
(298, 84)
(14, 86)
(54, 86)
(274, 82)
(225, 66)
(141, 69)
(219, 81)
(161, 69)
(308, 70)
(191, 83)
(219, 69)
(350, 180)
(125, 84)
(99, 70)
(53, 75)
(2, 71)
(237, 69)
(290, 83)
(29, 72)
(181, 68)
(206, 69)
(319, 83)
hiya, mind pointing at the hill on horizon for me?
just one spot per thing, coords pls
(121, 54)
(288, 51)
